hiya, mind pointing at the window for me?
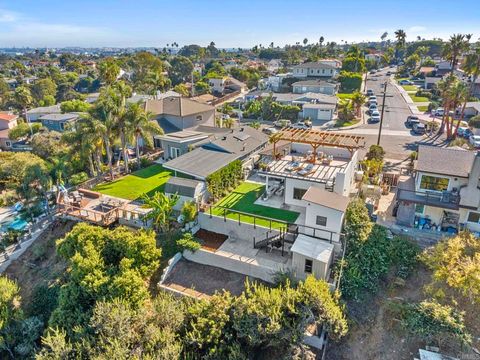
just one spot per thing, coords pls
(8, 143)
(199, 118)
(321, 220)
(174, 152)
(473, 217)
(323, 71)
(434, 183)
(62, 126)
(308, 266)
(298, 193)
(419, 208)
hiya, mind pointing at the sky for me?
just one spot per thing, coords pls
(240, 23)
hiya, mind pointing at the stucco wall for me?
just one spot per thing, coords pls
(290, 184)
(319, 268)
(334, 219)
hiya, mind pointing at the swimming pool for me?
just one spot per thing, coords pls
(15, 224)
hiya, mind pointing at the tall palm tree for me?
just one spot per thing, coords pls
(444, 87)
(401, 37)
(274, 139)
(472, 66)
(123, 91)
(141, 126)
(456, 45)
(461, 93)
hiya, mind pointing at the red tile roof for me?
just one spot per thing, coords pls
(8, 117)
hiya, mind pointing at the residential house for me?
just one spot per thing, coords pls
(220, 150)
(374, 56)
(175, 113)
(7, 121)
(58, 122)
(317, 86)
(443, 68)
(325, 69)
(472, 108)
(226, 84)
(318, 113)
(35, 114)
(300, 99)
(444, 193)
(274, 65)
(217, 85)
(273, 82)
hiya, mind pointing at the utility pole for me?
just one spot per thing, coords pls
(383, 110)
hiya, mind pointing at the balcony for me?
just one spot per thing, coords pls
(445, 199)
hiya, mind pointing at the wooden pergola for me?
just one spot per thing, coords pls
(316, 138)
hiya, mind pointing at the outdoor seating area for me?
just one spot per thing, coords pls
(301, 166)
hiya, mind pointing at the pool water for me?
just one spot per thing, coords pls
(16, 224)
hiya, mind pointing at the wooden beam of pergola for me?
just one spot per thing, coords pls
(317, 138)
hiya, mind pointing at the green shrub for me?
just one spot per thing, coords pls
(188, 242)
(78, 178)
(375, 152)
(474, 122)
(349, 81)
(189, 211)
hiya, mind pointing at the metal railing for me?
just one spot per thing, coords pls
(434, 198)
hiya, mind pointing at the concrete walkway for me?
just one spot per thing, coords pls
(411, 105)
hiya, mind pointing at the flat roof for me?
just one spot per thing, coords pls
(313, 248)
(322, 173)
(326, 198)
(59, 117)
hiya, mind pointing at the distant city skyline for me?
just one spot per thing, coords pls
(148, 23)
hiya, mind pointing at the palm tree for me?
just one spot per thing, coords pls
(472, 66)
(461, 94)
(444, 86)
(141, 126)
(228, 122)
(456, 45)
(109, 71)
(345, 110)
(161, 212)
(358, 99)
(401, 37)
(123, 91)
(22, 98)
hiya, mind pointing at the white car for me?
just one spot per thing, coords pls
(270, 131)
(372, 98)
(475, 141)
(439, 112)
(375, 116)
(301, 125)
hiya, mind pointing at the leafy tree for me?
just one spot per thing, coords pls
(47, 144)
(23, 129)
(354, 64)
(202, 87)
(181, 89)
(455, 262)
(116, 330)
(349, 81)
(22, 99)
(75, 106)
(103, 264)
(181, 69)
(43, 88)
(9, 311)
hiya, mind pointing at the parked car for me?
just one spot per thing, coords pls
(374, 116)
(467, 133)
(301, 125)
(270, 130)
(372, 108)
(282, 123)
(371, 98)
(419, 129)
(389, 73)
(373, 71)
(370, 92)
(475, 141)
(412, 120)
(405, 82)
(438, 112)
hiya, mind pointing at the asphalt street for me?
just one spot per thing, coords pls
(396, 139)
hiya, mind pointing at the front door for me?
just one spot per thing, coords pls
(174, 152)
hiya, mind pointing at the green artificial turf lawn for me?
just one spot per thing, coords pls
(134, 185)
(243, 198)
(422, 108)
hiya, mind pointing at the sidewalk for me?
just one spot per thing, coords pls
(411, 105)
